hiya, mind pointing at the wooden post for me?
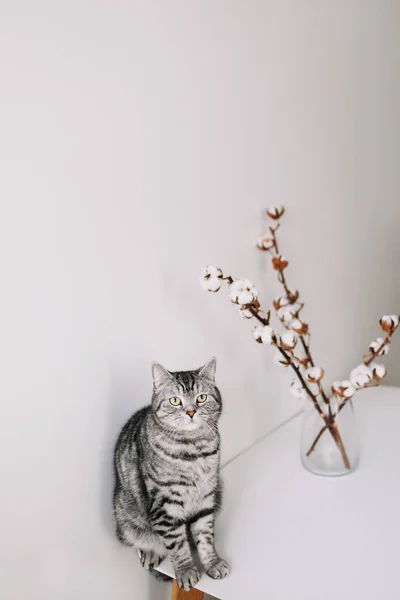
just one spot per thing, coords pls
(179, 594)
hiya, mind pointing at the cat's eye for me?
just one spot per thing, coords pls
(202, 398)
(175, 401)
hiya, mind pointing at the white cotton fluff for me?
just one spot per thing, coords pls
(296, 324)
(287, 313)
(348, 388)
(265, 242)
(267, 335)
(314, 374)
(243, 292)
(275, 211)
(234, 289)
(376, 345)
(257, 332)
(280, 302)
(212, 284)
(392, 321)
(211, 271)
(360, 376)
(288, 340)
(359, 380)
(237, 285)
(378, 371)
(245, 313)
(245, 297)
(297, 389)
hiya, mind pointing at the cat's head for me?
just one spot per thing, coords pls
(186, 400)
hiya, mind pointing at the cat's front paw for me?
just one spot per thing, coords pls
(188, 579)
(219, 569)
(149, 559)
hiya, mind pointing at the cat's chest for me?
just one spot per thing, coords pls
(193, 501)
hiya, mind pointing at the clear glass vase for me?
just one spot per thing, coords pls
(330, 451)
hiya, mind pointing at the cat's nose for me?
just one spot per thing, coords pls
(191, 413)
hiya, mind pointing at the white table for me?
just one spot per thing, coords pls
(291, 535)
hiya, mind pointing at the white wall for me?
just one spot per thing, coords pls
(139, 141)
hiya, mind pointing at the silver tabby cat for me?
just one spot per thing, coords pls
(167, 488)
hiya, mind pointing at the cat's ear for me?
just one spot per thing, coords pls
(209, 369)
(160, 374)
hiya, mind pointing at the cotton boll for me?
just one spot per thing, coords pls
(235, 289)
(297, 389)
(237, 285)
(286, 313)
(267, 335)
(280, 302)
(245, 313)
(343, 388)
(375, 346)
(243, 292)
(211, 271)
(378, 371)
(279, 263)
(389, 323)
(265, 243)
(298, 326)
(275, 212)
(288, 340)
(336, 389)
(212, 284)
(364, 369)
(315, 374)
(245, 297)
(257, 333)
(359, 380)
(348, 389)
(360, 376)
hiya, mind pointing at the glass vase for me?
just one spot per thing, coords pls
(333, 450)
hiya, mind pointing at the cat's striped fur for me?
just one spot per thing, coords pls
(167, 475)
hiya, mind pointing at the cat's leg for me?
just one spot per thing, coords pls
(203, 534)
(133, 530)
(125, 510)
(174, 536)
(150, 549)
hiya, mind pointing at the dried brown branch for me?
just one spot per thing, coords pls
(368, 359)
(328, 419)
(280, 265)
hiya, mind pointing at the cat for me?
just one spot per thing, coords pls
(168, 487)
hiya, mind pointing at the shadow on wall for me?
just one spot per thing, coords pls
(126, 395)
(124, 399)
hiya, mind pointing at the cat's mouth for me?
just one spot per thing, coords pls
(192, 424)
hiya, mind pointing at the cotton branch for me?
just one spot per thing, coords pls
(288, 307)
(367, 374)
(243, 293)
